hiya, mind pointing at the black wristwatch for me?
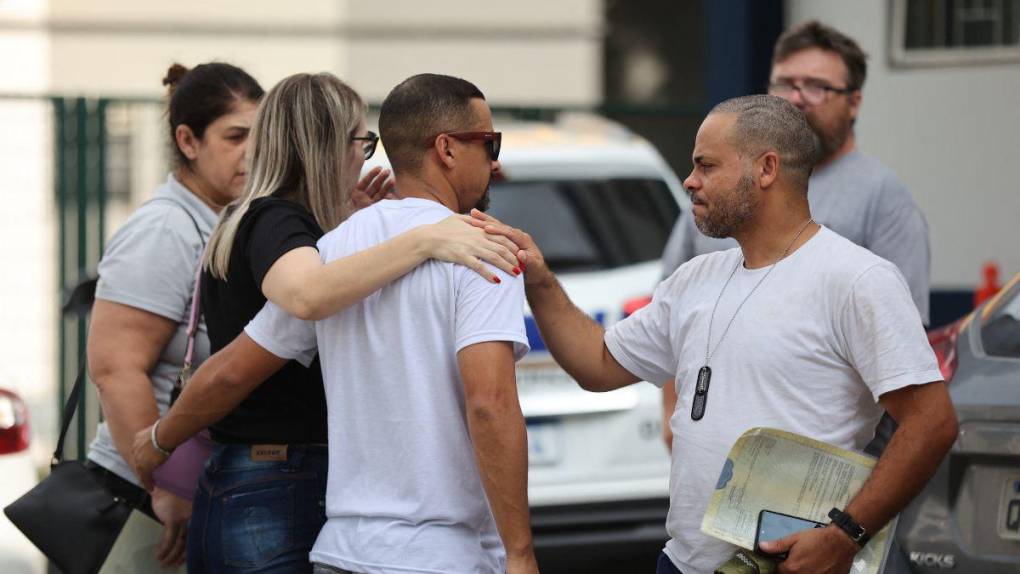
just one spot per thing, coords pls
(847, 524)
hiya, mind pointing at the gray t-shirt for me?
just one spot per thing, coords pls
(150, 264)
(857, 197)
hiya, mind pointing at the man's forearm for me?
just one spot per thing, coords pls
(574, 339)
(208, 397)
(217, 387)
(501, 448)
(499, 439)
(912, 457)
(199, 406)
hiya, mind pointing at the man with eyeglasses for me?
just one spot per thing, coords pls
(797, 329)
(822, 71)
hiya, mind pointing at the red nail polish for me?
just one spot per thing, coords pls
(517, 271)
(496, 279)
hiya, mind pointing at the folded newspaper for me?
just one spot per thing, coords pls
(792, 474)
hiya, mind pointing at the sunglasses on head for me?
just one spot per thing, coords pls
(369, 141)
(490, 139)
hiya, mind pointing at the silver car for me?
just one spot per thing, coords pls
(968, 517)
(17, 476)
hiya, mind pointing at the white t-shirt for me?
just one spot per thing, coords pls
(811, 351)
(404, 491)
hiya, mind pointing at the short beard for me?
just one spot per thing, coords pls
(730, 214)
(831, 138)
(483, 202)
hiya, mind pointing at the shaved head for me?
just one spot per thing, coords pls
(770, 123)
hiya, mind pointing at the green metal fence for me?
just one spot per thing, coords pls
(80, 188)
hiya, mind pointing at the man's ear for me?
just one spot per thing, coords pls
(767, 168)
(854, 98)
(445, 151)
(186, 141)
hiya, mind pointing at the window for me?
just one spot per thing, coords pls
(119, 127)
(587, 225)
(1000, 334)
(936, 32)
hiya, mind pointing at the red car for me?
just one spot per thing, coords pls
(18, 474)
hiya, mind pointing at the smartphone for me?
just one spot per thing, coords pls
(776, 525)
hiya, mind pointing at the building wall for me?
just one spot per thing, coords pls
(949, 132)
(529, 53)
(120, 47)
(27, 220)
(525, 53)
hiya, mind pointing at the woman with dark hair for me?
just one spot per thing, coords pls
(138, 333)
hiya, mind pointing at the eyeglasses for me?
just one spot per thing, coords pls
(370, 140)
(492, 140)
(812, 93)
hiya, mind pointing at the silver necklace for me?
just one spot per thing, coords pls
(705, 373)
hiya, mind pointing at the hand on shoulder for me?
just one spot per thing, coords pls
(532, 262)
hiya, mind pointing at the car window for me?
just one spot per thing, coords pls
(592, 224)
(1000, 334)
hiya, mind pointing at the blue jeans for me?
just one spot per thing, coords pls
(260, 516)
(665, 565)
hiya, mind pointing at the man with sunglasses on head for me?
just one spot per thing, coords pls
(822, 71)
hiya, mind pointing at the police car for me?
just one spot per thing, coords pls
(600, 202)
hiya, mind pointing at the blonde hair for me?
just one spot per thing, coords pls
(299, 144)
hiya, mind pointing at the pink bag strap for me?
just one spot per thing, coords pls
(189, 354)
(196, 302)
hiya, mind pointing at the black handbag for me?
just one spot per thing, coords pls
(71, 516)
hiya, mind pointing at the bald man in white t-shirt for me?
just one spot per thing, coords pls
(797, 328)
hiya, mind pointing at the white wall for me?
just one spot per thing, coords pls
(950, 133)
(123, 47)
(28, 253)
(525, 53)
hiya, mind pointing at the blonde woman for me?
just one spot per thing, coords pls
(260, 503)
